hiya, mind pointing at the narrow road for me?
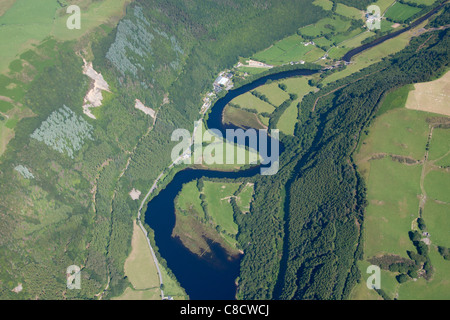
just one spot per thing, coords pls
(153, 188)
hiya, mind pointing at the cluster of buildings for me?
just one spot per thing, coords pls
(207, 101)
(373, 21)
(223, 81)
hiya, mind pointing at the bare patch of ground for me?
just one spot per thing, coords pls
(135, 194)
(140, 106)
(94, 96)
(18, 288)
(431, 96)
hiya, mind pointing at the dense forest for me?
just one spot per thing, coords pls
(324, 202)
(75, 207)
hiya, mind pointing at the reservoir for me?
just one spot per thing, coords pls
(214, 277)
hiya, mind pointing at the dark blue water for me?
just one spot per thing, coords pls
(213, 277)
(210, 277)
(349, 55)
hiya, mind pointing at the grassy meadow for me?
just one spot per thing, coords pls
(400, 12)
(141, 270)
(209, 212)
(394, 193)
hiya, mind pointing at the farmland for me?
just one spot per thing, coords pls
(242, 118)
(403, 184)
(141, 270)
(349, 12)
(287, 50)
(384, 4)
(373, 55)
(400, 12)
(325, 4)
(431, 96)
(28, 22)
(206, 208)
(270, 95)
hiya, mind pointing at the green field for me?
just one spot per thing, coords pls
(241, 118)
(171, 286)
(249, 101)
(356, 41)
(325, 4)
(326, 26)
(323, 42)
(219, 208)
(287, 50)
(188, 201)
(436, 289)
(219, 214)
(373, 55)
(440, 145)
(403, 132)
(436, 215)
(275, 95)
(28, 22)
(245, 198)
(214, 149)
(394, 191)
(437, 184)
(419, 2)
(393, 204)
(349, 12)
(444, 162)
(400, 12)
(288, 119)
(395, 99)
(141, 270)
(384, 4)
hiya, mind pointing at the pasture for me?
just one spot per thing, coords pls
(402, 132)
(437, 185)
(241, 118)
(139, 267)
(275, 95)
(400, 12)
(384, 4)
(28, 22)
(141, 270)
(394, 190)
(349, 12)
(217, 221)
(374, 55)
(325, 4)
(249, 101)
(288, 119)
(287, 50)
(325, 26)
(425, 2)
(217, 196)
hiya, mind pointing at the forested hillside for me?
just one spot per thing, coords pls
(326, 199)
(66, 178)
(72, 207)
